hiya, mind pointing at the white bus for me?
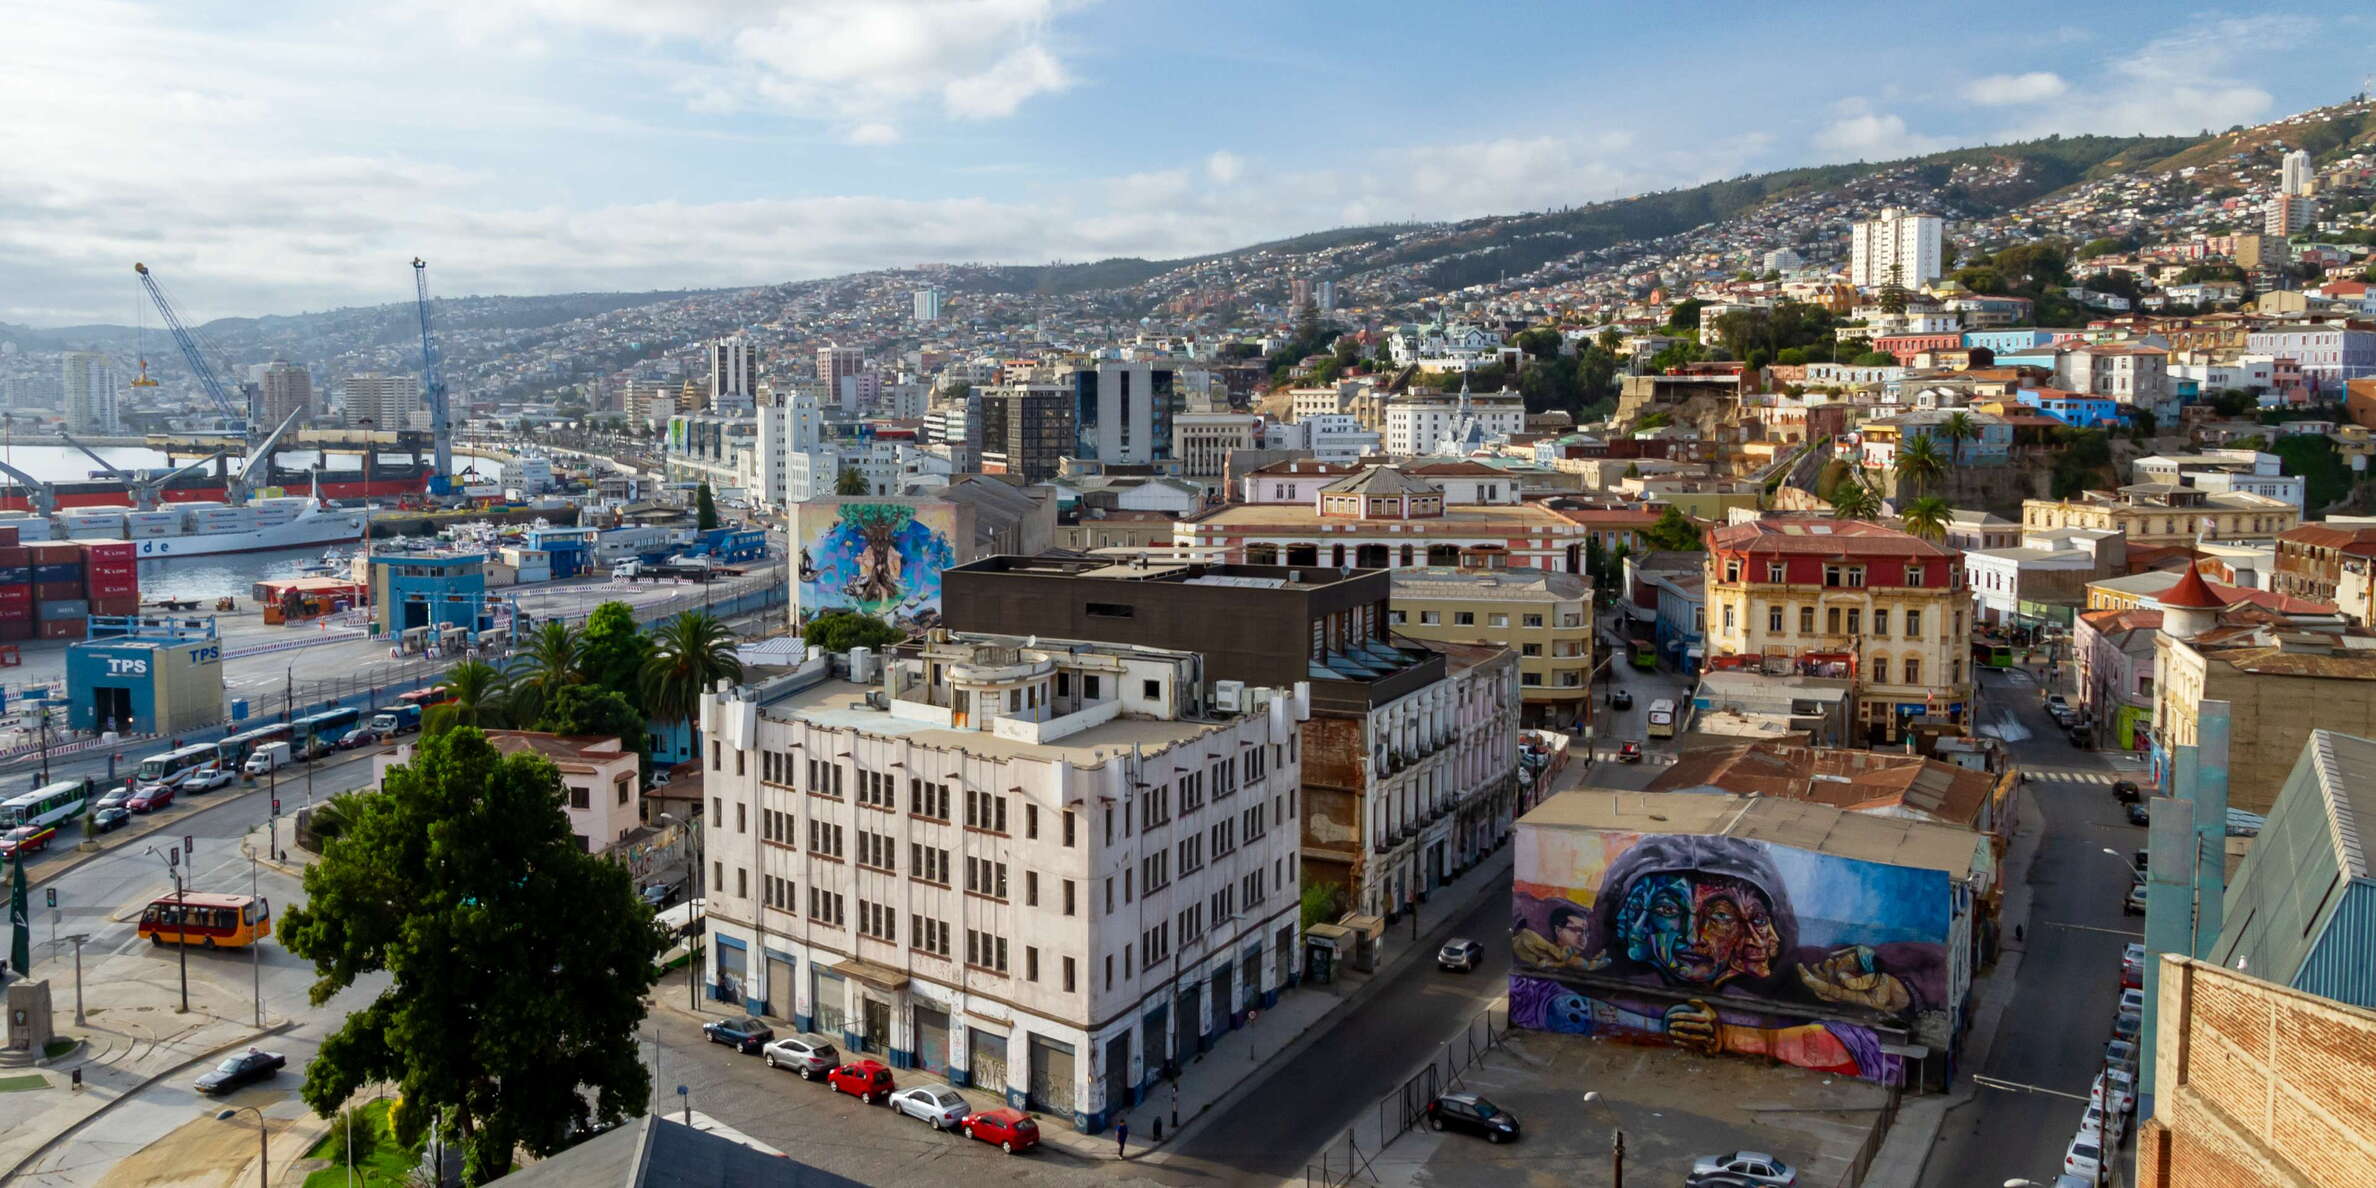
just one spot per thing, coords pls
(174, 766)
(47, 804)
(1662, 718)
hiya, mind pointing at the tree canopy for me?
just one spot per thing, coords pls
(1674, 532)
(611, 649)
(518, 962)
(850, 482)
(705, 508)
(841, 630)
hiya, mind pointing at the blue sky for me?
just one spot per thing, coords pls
(292, 157)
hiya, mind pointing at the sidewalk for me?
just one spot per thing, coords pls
(1242, 1059)
(1900, 1161)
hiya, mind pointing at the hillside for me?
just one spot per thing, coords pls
(2327, 133)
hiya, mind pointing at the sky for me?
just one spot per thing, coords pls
(286, 158)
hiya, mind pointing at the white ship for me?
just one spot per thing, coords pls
(200, 529)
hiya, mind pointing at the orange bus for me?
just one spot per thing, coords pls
(202, 918)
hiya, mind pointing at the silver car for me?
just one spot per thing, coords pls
(810, 1056)
(937, 1106)
(1463, 955)
(1753, 1167)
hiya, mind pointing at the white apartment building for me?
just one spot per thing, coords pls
(382, 401)
(2295, 175)
(1897, 247)
(836, 364)
(1041, 868)
(789, 425)
(1421, 423)
(1201, 442)
(732, 385)
(1440, 347)
(90, 392)
(928, 304)
(2224, 470)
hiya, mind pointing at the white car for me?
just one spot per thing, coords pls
(206, 779)
(938, 1106)
(2085, 1157)
(2132, 1001)
(2093, 1123)
(2124, 1091)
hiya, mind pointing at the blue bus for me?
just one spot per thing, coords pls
(320, 733)
(233, 752)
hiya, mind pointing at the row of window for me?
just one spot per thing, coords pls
(1851, 577)
(1836, 621)
(1428, 618)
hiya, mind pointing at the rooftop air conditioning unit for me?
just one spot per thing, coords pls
(1229, 695)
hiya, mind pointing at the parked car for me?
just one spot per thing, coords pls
(2120, 1054)
(24, 839)
(2084, 1157)
(115, 797)
(268, 758)
(1461, 954)
(2080, 736)
(660, 895)
(2124, 1089)
(2059, 706)
(2133, 1000)
(2134, 905)
(2126, 791)
(360, 736)
(1011, 1129)
(2094, 1122)
(240, 1069)
(207, 778)
(2126, 1024)
(745, 1035)
(866, 1080)
(150, 798)
(1755, 1167)
(809, 1056)
(1621, 699)
(1629, 751)
(2132, 965)
(936, 1105)
(110, 819)
(1474, 1114)
(2139, 858)
(2138, 814)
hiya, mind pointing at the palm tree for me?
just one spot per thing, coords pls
(689, 653)
(1927, 518)
(1920, 463)
(1853, 499)
(547, 664)
(1958, 428)
(476, 696)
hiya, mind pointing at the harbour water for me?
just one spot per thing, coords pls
(203, 578)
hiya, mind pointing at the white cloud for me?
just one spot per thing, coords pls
(2199, 75)
(1224, 167)
(873, 133)
(1868, 135)
(1999, 89)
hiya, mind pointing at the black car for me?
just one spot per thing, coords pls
(2137, 814)
(240, 1069)
(2126, 791)
(659, 895)
(1621, 699)
(110, 819)
(2082, 737)
(1719, 1179)
(1469, 1112)
(744, 1035)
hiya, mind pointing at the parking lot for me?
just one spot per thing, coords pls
(1671, 1105)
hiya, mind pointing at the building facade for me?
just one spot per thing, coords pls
(1896, 247)
(1027, 430)
(1044, 869)
(2165, 514)
(89, 382)
(1544, 618)
(288, 390)
(378, 401)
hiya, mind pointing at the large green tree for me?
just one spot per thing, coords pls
(705, 508)
(689, 653)
(548, 664)
(1958, 428)
(850, 482)
(517, 962)
(1927, 518)
(1675, 532)
(1853, 500)
(586, 709)
(839, 631)
(611, 649)
(475, 697)
(1921, 464)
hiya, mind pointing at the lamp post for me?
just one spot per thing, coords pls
(77, 941)
(263, 1142)
(1616, 1141)
(256, 945)
(181, 912)
(692, 895)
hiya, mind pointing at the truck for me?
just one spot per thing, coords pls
(395, 720)
(698, 569)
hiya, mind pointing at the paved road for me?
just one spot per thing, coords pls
(2053, 1032)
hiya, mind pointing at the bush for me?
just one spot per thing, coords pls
(1322, 902)
(359, 1125)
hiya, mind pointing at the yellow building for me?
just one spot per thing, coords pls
(2165, 514)
(1544, 618)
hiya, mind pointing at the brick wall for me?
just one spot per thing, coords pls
(2258, 1084)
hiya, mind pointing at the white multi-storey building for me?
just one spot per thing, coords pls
(731, 383)
(1426, 423)
(1897, 247)
(1041, 868)
(928, 304)
(2294, 174)
(90, 390)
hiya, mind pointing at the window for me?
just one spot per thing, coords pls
(1831, 620)
(1070, 897)
(1155, 807)
(1913, 624)
(825, 839)
(1914, 575)
(1154, 871)
(1191, 857)
(1774, 619)
(1031, 888)
(1464, 618)
(1031, 963)
(1071, 820)
(742, 883)
(876, 790)
(742, 816)
(779, 893)
(1728, 617)
(1732, 569)
(1855, 620)
(985, 810)
(1532, 621)
(1530, 678)
(1031, 821)
(580, 798)
(928, 800)
(878, 851)
(878, 920)
(1497, 620)
(1775, 572)
(1532, 649)
(1430, 618)
(928, 934)
(717, 756)
(985, 951)
(1913, 670)
(1394, 617)
(1881, 620)
(929, 863)
(1068, 975)
(984, 876)
(1151, 690)
(1806, 620)
(825, 907)
(1880, 670)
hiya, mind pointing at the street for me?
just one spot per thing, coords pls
(2052, 1034)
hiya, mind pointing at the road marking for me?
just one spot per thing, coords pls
(2092, 928)
(2019, 1087)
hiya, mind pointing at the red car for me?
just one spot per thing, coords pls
(866, 1080)
(26, 838)
(1012, 1129)
(150, 798)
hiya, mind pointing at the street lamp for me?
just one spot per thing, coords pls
(1616, 1142)
(181, 914)
(692, 895)
(263, 1144)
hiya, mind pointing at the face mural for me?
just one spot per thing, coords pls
(881, 559)
(1709, 943)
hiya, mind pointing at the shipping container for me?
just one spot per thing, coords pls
(16, 557)
(125, 604)
(13, 629)
(56, 572)
(8, 535)
(17, 610)
(47, 609)
(48, 552)
(61, 628)
(56, 591)
(20, 575)
(112, 552)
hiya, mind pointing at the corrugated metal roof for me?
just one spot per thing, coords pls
(2302, 908)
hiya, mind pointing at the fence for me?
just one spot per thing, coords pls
(1349, 1156)
(1874, 1137)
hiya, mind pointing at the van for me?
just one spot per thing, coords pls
(267, 758)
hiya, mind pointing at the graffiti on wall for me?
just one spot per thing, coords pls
(881, 559)
(1728, 945)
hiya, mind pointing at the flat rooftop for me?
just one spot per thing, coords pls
(1197, 573)
(841, 705)
(1499, 519)
(1820, 828)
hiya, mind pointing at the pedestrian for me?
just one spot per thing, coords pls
(1121, 1136)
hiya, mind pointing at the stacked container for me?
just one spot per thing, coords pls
(149, 525)
(111, 578)
(59, 604)
(16, 587)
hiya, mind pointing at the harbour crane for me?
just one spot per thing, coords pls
(187, 340)
(433, 392)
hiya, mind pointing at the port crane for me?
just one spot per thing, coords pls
(188, 342)
(433, 391)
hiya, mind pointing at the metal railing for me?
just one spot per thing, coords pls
(1875, 1135)
(1350, 1157)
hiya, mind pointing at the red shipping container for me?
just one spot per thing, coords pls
(61, 628)
(17, 592)
(110, 551)
(55, 553)
(57, 591)
(8, 535)
(103, 585)
(126, 604)
(16, 629)
(95, 565)
(16, 610)
(14, 556)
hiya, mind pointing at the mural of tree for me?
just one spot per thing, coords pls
(877, 525)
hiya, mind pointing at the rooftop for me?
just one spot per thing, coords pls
(1140, 569)
(1850, 779)
(1457, 520)
(1805, 825)
(1821, 537)
(1519, 584)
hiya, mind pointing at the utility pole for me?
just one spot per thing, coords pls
(1616, 1159)
(77, 941)
(172, 857)
(255, 945)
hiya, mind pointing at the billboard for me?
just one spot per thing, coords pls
(881, 557)
(1729, 945)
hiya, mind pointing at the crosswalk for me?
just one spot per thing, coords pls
(2091, 776)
